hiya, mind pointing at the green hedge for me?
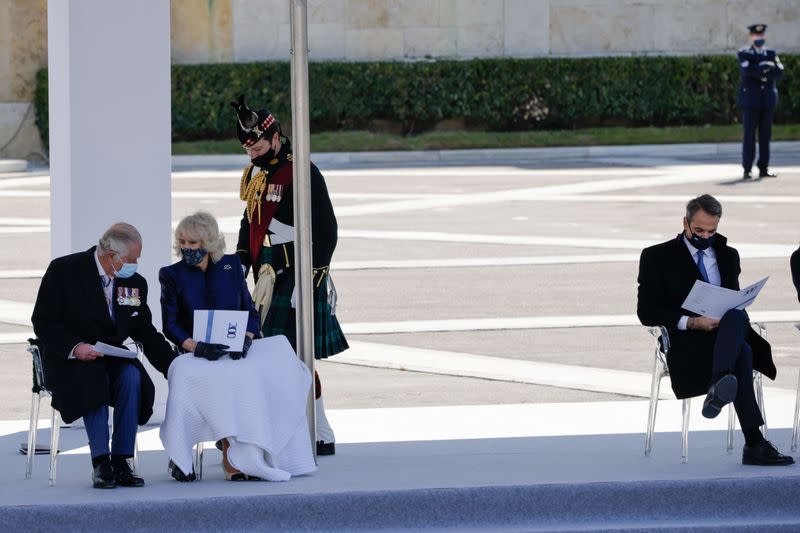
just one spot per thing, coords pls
(496, 94)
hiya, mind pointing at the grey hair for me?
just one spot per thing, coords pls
(707, 203)
(203, 227)
(119, 239)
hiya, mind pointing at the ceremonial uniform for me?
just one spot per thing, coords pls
(266, 244)
(268, 192)
(758, 95)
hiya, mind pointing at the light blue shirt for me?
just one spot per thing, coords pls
(712, 269)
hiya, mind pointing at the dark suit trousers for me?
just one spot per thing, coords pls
(733, 355)
(125, 383)
(752, 120)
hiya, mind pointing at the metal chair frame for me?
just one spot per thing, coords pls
(39, 390)
(661, 370)
(199, 451)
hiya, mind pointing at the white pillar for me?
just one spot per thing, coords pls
(110, 151)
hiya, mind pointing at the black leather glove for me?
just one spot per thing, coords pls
(209, 351)
(245, 348)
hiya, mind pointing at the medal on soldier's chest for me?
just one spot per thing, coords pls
(274, 193)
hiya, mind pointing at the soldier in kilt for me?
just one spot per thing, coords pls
(266, 244)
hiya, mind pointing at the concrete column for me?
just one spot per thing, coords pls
(109, 82)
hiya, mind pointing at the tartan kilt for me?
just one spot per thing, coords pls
(328, 335)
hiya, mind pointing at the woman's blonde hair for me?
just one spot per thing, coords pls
(203, 227)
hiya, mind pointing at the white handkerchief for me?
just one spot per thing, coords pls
(281, 233)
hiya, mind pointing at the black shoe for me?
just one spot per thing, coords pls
(764, 454)
(719, 394)
(747, 175)
(178, 474)
(123, 474)
(103, 476)
(766, 174)
(326, 448)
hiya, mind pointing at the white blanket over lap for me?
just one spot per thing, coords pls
(258, 403)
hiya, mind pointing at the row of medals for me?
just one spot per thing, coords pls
(128, 297)
(274, 193)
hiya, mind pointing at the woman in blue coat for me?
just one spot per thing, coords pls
(204, 278)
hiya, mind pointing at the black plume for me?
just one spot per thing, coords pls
(247, 117)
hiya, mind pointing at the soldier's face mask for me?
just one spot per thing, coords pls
(759, 42)
(259, 156)
(264, 159)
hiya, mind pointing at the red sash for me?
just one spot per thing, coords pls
(269, 206)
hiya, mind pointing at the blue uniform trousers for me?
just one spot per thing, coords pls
(752, 120)
(733, 355)
(125, 383)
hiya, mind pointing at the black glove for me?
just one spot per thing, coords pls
(209, 351)
(245, 348)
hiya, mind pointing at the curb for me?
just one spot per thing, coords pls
(494, 155)
(13, 165)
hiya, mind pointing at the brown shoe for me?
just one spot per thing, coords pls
(231, 474)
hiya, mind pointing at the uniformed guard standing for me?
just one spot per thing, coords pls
(266, 243)
(758, 96)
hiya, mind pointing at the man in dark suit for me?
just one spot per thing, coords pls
(758, 95)
(96, 296)
(707, 356)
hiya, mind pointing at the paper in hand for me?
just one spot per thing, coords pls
(221, 327)
(712, 301)
(114, 351)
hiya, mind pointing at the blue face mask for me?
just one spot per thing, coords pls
(193, 257)
(759, 42)
(127, 270)
(702, 243)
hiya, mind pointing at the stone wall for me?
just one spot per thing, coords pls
(412, 29)
(208, 31)
(23, 51)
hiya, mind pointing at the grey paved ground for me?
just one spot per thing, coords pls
(629, 212)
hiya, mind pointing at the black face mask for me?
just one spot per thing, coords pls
(264, 159)
(759, 42)
(702, 243)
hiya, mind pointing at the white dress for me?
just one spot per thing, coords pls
(258, 403)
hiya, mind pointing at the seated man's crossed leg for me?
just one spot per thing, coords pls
(732, 372)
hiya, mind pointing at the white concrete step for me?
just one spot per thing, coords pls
(13, 165)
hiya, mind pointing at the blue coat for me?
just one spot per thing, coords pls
(185, 289)
(759, 72)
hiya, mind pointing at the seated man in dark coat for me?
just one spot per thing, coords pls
(707, 356)
(96, 296)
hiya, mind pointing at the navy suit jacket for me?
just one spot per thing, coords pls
(185, 289)
(757, 88)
